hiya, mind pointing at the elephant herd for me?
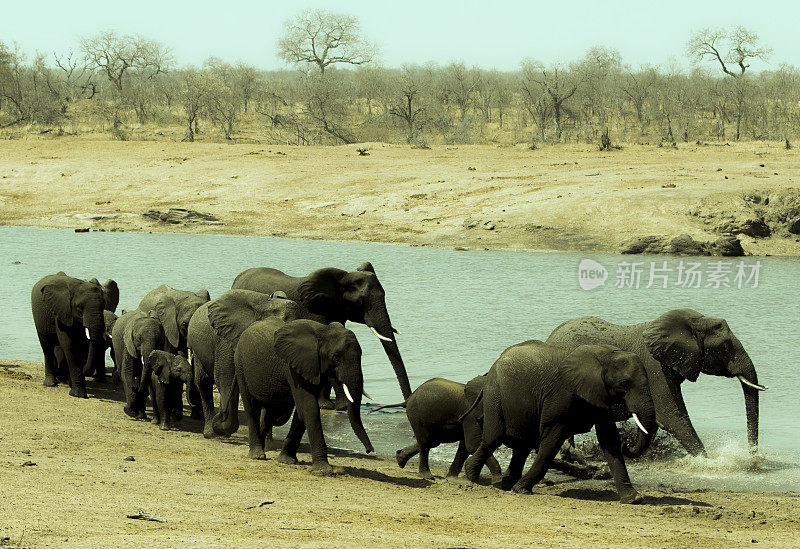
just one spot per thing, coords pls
(280, 343)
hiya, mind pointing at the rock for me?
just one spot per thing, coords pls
(650, 244)
(488, 226)
(129, 458)
(82, 230)
(686, 245)
(794, 226)
(470, 223)
(750, 226)
(176, 216)
(28, 464)
(728, 246)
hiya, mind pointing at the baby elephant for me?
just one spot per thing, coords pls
(433, 411)
(169, 374)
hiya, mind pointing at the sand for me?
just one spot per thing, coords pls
(564, 197)
(81, 490)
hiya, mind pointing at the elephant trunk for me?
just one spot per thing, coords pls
(646, 416)
(96, 331)
(354, 415)
(226, 422)
(378, 319)
(742, 367)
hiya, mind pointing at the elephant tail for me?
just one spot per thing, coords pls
(398, 405)
(471, 408)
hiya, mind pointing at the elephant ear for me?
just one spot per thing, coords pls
(717, 340)
(58, 299)
(203, 293)
(672, 340)
(321, 292)
(472, 390)
(230, 315)
(167, 313)
(366, 266)
(110, 295)
(127, 334)
(582, 372)
(297, 342)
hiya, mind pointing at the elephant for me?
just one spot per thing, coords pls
(281, 366)
(111, 319)
(69, 320)
(175, 316)
(333, 295)
(537, 395)
(213, 333)
(433, 410)
(676, 346)
(135, 336)
(169, 373)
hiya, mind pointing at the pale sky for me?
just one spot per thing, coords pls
(489, 34)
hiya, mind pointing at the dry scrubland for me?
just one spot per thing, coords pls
(80, 489)
(562, 197)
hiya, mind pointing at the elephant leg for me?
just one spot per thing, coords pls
(226, 422)
(672, 415)
(404, 454)
(494, 469)
(205, 388)
(157, 400)
(175, 402)
(50, 362)
(458, 461)
(292, 441)
(550, 444)
(308, 408)
(608, 438)
(195, 402)
(252, 410)
(491, 437)
(424, 466)
(77, 380)
(514, 472)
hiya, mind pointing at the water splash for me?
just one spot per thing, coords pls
(729, 459)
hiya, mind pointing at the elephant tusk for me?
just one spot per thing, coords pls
(744, 381)
(398, 332)
(363, 392)
(87, 333)
(379, 336)
(639, 424)
(347, 393)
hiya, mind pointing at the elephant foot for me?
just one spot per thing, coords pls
(49, 381)
(325, 403)
(197, 413)
(472, 474)
(257, 453)
(519, 489)
(164, 427)
(286, 459)
(130, 411)
(78, 392)
(401, 458)
(427, 475)
(208, 431)
(325, 469)
(155, 421)
(632, 498)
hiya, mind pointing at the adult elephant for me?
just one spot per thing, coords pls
(282, 366)
(537, 395)
(68, 315)
(213, 333)
(334, 295)
(174, 308)
(676, 346)
(135, 336)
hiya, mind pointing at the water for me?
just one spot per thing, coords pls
(458, 311)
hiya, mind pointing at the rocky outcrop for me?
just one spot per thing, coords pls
(682, 245)
(178, 216)
(754, 214)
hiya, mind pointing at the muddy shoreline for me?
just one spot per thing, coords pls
(81, 489)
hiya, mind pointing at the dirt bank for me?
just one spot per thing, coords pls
(560, 198)
(65, 482)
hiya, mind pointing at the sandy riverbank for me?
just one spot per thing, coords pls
(564, 197)
(80, 490)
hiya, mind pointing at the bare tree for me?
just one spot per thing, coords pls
(12, 97)
(406, 104)
(558, 83)
(117, 55)
(733, 50)
(323, 38)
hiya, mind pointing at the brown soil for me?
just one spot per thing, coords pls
(80, 489)
(561, 197)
